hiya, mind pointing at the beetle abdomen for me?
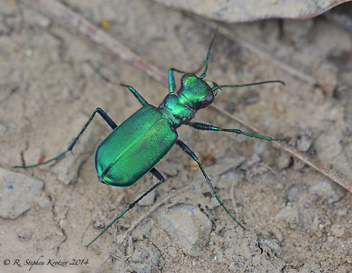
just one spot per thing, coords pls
(134, 148)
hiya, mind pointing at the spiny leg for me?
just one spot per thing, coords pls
(209, 127)
(188, 150)
(172, 84)
(136, 94)
(208, 53)
(102, 114)
(159, 176)
(97, 70)
(105, 78)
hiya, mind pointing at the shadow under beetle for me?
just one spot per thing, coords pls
(132, 149)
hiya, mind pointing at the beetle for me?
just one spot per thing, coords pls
(148, 135)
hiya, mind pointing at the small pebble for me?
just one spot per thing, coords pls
(188, 225)
(18, 193)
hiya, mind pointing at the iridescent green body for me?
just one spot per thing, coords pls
(147, 136)
(121, 159)
(133, 148)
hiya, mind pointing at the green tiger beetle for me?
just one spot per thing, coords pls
(147, 136)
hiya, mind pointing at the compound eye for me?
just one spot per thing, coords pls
(207, 100)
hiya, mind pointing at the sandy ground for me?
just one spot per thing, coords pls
(297, 220)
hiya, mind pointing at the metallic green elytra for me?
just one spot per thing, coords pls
(146, 130)
(133, 148)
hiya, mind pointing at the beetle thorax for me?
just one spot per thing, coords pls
(181, 106)
(177, 109)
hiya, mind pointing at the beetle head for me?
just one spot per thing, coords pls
(197, 91)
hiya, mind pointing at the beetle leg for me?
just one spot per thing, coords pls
(172, 84)
(208, 53)
(134, 91)
(136, 94)
(188, 150)
(159, 176)
(99, 111)
(209, 127)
